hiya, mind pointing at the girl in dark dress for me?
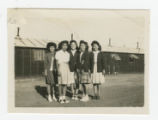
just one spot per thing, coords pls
(84, 67)
(97, 63)
(74, 54)
(50, 68)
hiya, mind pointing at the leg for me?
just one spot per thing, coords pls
(60, 91)
(85, 97)
(64, 94)
(64, 90)
(84, 89)
(53, 92)
(73, 91)
(94, 90)
(98, 91)
(49, 93)
(109, 69)
(49, 89)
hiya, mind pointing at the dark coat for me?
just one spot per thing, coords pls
(101, 62)
(47, 61)
(84, 64)
(73, 61)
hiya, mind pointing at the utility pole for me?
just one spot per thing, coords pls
(137, 45)
(71, 36)
(109, 42)
(18, 30)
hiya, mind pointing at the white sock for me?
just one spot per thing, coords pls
(63, 97)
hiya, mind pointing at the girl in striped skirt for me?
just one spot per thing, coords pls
(50, 67)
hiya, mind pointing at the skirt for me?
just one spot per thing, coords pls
(50, 79)
(85, 78)
(97, 77)
(66, 77)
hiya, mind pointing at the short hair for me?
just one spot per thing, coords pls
(61, 44)
(49, 45)
(96, 42)
(84, 42)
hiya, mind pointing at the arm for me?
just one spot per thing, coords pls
(45, 65)
(88, 62)
(103, 62)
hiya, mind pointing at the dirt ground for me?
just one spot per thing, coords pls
(122, 90)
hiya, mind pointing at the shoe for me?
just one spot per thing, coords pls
(50, 98)
(85, 99)
(61, 101)
(98, 97)
(94, 97)
(66, 101)
(73, 97)
(76, 98)
(54, 98)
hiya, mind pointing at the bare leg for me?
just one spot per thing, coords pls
(60, 91)
(95, 89)
(98, 90)
(53, 93)
(64, 90)
(49, 89)
(72, 89)
(64, 94)
(49, 93)
(84, 89)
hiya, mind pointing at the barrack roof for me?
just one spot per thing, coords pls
(41, 43)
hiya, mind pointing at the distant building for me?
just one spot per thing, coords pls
(29, 58)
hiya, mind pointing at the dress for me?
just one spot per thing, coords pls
(97, 77)
(65, 77)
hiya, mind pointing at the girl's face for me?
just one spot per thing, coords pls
(64, 47)
(73, 46)
(83, 47)
(52, 48)
(95, 47)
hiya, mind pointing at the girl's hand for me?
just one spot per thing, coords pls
(45, 72)
(103, 72)
(82, 62)
(89, 72)
(82, 71)
(59, 73)
(78, 70)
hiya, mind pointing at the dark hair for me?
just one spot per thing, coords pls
(96, 42)
(84, 42)
(61, 44)
(49, 45)
(73, 41)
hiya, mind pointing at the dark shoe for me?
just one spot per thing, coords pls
(66, 101)
(94, 97)
(98, 97)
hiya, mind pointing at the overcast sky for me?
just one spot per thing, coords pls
(125, 28)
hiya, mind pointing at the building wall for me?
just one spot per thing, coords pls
(30, 62)
(126, 64)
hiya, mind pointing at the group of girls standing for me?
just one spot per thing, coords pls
(73, 66)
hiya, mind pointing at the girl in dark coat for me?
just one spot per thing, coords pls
(84, 68)
(74, 54)
(50, 67)
(97, 63)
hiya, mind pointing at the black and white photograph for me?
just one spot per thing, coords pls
(78, 58)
